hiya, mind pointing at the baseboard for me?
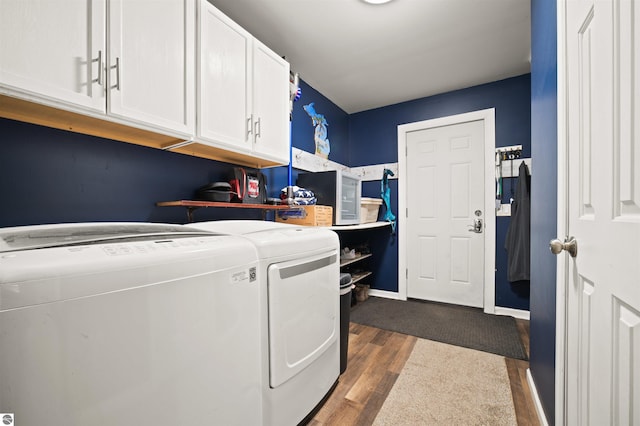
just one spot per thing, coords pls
(385, 294)
(542, 418)
(516, 313)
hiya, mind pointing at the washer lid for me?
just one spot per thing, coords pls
(275, 239)
(57, 235)
(240, 227)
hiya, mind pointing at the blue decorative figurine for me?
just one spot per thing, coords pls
(323, 147)
(385, 193)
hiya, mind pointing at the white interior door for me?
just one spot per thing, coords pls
(602, 335)
(445, 197)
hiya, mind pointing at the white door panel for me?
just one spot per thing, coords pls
(602, 382)
(445, 188)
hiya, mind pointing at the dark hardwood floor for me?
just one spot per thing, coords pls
(376, 358)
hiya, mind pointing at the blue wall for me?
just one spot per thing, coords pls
(378, 128)
(337, 128)
(53, 176)
(543, 199)
(302, 131)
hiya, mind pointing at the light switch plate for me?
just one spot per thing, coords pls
(505, 210)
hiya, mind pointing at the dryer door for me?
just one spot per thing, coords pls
(304, 302)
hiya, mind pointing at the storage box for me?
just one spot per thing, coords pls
(369, 208)
(307, 215)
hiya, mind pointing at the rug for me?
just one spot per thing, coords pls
(457, 325)
(443, 384)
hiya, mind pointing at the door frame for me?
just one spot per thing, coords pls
(488, 117)
(562, 221)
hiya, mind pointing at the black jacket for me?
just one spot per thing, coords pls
(518, 240)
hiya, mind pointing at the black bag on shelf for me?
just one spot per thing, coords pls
(248, 186)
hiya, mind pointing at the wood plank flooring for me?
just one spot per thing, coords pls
(376, 358)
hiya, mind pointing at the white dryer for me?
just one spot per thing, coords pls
(129, 324)
(300, 312)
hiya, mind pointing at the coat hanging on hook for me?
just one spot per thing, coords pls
(518, 240)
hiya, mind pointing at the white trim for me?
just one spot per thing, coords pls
(306, 161)
(309, 162)
(510, 312)
(374, 172)
(542, 419)
(386, 294)
(488, 115)
(562, 218)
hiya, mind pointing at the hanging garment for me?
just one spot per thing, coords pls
(518, 240)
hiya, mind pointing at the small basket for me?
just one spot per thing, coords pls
(369, 208)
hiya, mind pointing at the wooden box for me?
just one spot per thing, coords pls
(307, 215)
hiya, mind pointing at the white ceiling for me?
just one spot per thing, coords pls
(362, 56)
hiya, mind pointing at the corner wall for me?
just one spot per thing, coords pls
(544, 146)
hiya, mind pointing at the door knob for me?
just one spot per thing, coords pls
(570, 245)
(477, 226)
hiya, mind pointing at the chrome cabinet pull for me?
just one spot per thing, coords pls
(100, 71)
(249, 126)
(258, 128)
(117, 68)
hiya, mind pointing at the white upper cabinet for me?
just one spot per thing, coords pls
(151, 62)
(270, 103)
(224, 66)
(243, 96)
(53, 50)
(172, 74)
(139, 69)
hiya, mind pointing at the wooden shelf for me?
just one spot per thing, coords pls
(357, 277)
(193, 205)
(359, 257)
(359, 226)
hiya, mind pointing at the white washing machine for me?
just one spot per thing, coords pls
(299, 271)
(129, 324)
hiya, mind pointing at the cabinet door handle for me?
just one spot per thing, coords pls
(249, 126)
(100, 71)
(117, 67)
(258, 128)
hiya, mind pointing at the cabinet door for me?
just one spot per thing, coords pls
(270, 103)
(51, 50)
(151, 63)
(224, 103)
